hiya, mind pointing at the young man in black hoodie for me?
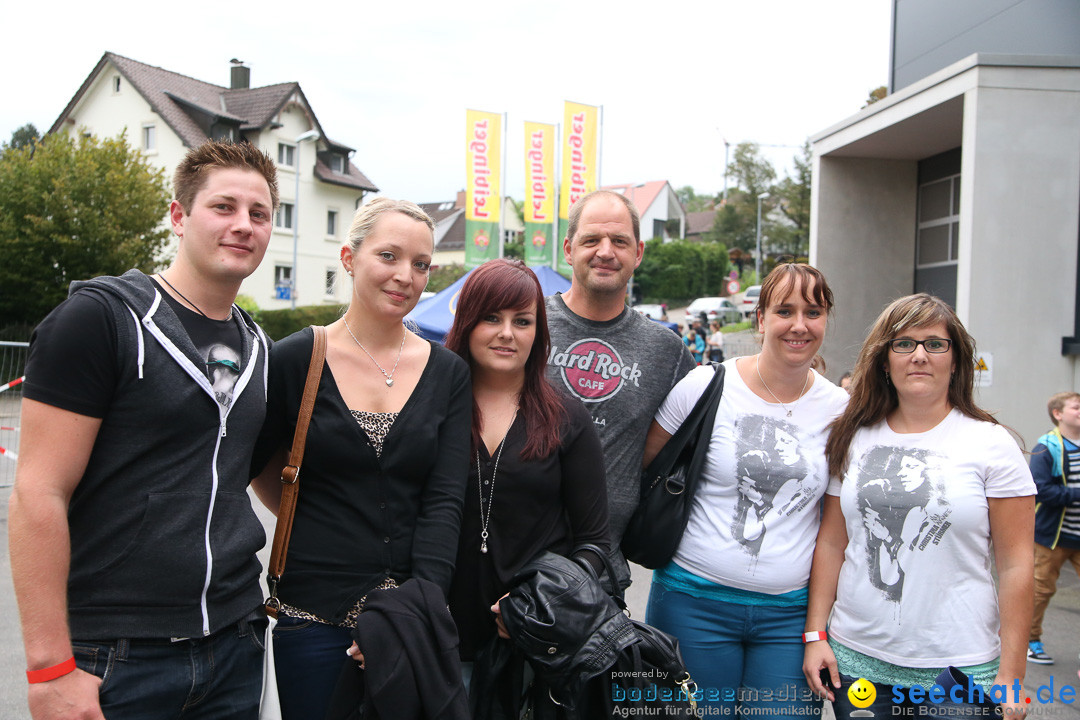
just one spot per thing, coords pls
(132, 538)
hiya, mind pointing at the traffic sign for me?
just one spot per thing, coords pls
(733, 287)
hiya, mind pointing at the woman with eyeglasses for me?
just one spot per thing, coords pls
(927, 491)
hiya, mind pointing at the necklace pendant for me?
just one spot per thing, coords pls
(483, 547)
(789, 413)
(389, 382)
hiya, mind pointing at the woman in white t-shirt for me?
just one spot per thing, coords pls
(735, 592)
(927, 492)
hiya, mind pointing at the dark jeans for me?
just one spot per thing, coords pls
(884, 706)
(211, 678)
(308, 657)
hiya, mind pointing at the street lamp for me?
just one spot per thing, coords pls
(757, 256)
(309, 135)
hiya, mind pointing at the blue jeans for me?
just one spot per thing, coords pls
(746, 656)
(308, 657)
(884, 706)
(211, 678)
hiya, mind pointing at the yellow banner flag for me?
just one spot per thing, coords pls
(483, 154)
(581, 164)
(483, 193)
(539, 173)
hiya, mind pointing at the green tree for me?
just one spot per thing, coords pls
(752, 172)
(680, 270)
(876, 94)
(691, 201)
(25, 136)
(792, 237)
(71, 210)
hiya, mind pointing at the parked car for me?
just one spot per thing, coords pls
(656, 313)
(715, 308)
(749, 301)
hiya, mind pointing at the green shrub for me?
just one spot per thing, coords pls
(279, 324)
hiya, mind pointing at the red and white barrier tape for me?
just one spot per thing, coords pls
(9, 453)
(12, 384)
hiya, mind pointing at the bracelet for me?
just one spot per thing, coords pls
(814, 636)
(51, 673)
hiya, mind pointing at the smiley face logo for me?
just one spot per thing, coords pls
(862, 693)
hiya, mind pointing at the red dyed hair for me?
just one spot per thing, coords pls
(507, 284)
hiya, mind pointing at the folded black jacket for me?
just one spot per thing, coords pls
(410, 648)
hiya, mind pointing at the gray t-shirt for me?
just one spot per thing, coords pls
(622, 370)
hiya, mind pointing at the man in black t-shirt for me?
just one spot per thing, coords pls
(132, 538)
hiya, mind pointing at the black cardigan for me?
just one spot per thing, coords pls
(555, 503)
(361, 518)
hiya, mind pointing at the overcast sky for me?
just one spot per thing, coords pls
(393, 79)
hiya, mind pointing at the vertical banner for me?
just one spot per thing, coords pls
(483, 191)
(539, 193)
(580, 164)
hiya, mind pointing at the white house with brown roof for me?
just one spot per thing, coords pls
(166, 113)
(657, 203)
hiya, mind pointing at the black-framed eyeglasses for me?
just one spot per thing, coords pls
(906, 346)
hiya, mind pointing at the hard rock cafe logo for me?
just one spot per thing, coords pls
(592, 370)
(481, 239)
(539, 239)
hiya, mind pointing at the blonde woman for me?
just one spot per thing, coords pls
(383, 477)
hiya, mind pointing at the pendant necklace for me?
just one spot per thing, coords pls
(388, 375)
(162, 277)
(485, 519)
(757, 367)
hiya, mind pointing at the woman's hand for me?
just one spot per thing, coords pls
(818, 656)
(498, 619)
(1014, 708)
(355, 654)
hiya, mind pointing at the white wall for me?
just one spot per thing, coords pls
(1019, 231)
(1019, 219)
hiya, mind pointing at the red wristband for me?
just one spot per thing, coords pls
(51, 673)
(814, 636)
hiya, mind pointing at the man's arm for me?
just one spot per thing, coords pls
(54, 448)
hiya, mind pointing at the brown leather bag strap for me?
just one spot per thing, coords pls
(290, 474)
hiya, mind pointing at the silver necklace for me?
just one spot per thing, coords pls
(485, 519)
(757, 367)
(388, 375)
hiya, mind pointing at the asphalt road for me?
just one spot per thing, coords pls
(1061, 636)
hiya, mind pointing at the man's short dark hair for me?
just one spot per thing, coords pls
(192, 172)
(579, 207)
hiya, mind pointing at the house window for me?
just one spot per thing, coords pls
(284, 217)
(337, 163)
(286, 155)
(283, 282)
(225, 132)
(149, 138)
(937, 241)
(116, 84)
(331, 223)
(331, 281)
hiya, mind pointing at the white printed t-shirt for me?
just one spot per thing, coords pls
(755, 515)
(915, 588)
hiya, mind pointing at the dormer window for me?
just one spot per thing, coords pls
(286, 155)
(338, 163)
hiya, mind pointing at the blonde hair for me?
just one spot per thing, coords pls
(368, 215)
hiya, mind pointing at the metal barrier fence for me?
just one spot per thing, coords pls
(12, 362)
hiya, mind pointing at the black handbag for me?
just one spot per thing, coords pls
(591, 660)
(669, 483)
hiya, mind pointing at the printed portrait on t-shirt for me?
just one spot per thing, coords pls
(223, 367)
(900, 495)
(771, 476)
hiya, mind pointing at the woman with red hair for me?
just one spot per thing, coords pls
(536, 476)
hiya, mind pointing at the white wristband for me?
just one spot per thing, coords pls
(814, 636)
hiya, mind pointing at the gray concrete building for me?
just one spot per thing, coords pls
(965, 182)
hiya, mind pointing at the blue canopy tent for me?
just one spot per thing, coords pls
(435, 315)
